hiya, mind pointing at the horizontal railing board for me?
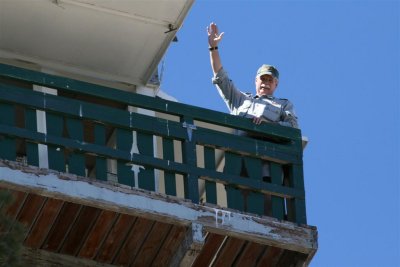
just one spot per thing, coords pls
(138, 159)
(272, 130)
(153, 125)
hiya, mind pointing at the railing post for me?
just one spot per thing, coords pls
(76, 159)
(189, 158)
(7, 144)
(169, 177)
(297, 205)
(55, 127)
(101, 163)
(32, 150)
(278, 205)
(209, 163)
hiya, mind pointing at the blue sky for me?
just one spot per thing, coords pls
(339, 65)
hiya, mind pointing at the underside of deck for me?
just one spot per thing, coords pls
(71, 229)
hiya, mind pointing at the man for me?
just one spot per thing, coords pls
(263, 107)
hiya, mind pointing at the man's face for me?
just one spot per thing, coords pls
(266, 85)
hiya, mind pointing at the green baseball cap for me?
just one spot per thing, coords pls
(268, 69)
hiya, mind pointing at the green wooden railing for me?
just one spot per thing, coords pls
(89, 126)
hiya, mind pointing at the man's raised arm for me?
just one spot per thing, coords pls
(214, 37)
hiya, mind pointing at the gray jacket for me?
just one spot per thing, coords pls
(272, 109)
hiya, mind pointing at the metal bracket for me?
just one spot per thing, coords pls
(190, 128)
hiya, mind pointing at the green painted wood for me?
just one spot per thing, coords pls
(233, 165)
(255, 200)
(124, 170)
(169, 177)
(298, 204)
(70, 85)
(32, 151)
(76, 159)
(55, 127)
(209, 163)
(278, 203)
(101, 162)
(180, 168)
(146, 147)
(151, 125)
(7, 143)
(189, 157)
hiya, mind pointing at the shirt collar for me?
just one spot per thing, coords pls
(265, 96)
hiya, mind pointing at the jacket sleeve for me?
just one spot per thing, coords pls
(232, 97)
(289, 117)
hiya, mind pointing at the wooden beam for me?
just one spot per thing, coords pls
(123, 199)
(39, 257)
(190, 247)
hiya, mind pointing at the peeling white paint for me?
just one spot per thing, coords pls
(80, 111)
(221, 215)
(197, 231)
(167, 127)
(135, 168)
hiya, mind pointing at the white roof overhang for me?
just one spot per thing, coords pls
(115, 40)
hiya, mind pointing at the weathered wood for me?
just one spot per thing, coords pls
(227, 255)
(65, 219)
(117, 234)
(28, 213)
(150, 205)
(39, 257)
(171, 244)
(154, 241)
(189, 248)
(44, 223)
(250, 255)
(212, 244)
(95, 239)
(270, 257)
(134, 241)
(77, 235)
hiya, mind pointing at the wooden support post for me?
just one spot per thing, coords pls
(7, 144)
(101, 163)
(124, 172)
(278, 203)
(145, 145)
(76, 160)
(189, 158)
(190, 247)
(211, 187)
(255, 200)
(55, 127)
(233, 164)
(297, 206)
(32, 151)
(169, 177)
